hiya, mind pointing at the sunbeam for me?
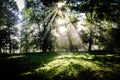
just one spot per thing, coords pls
(20, 17)
(53, 14)
(47, 18)
(60, 4)
(67, 36)
(61, 26)
(20, 4)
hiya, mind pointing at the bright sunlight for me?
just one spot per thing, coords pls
(20, 4)
(60, 4)
(59, 40)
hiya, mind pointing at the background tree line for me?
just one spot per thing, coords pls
(102, 25)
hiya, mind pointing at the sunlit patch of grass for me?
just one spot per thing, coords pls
(71, 64)
(26, 73)
(63, 66)
(18, 56)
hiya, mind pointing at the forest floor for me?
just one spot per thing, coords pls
(61, 66)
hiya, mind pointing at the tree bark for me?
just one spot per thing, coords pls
(90, 40)
(0, 50)
(9, 41)
(91, 32)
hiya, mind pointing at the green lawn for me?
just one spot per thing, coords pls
(61, 66)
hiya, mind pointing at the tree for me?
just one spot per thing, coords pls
(98, 11)
(37, 13)
(8, 18)
(14, 45)
(110, 12)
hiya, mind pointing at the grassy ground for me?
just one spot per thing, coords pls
(61, 66)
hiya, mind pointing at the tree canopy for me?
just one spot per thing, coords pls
(43, 30)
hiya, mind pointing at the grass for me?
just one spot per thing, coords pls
(61, 66)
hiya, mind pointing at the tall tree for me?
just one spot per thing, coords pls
(8, 17)
(97, 11)
(37, 13)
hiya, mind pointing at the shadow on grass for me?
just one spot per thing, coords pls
(64, 66)
(13, 65)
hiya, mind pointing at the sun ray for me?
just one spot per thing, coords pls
(71, 34)
(65, 31)
(60, 4)
(53, 18)
(49, 16)
(50, 23)
(20, 4)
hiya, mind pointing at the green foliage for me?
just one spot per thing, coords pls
(98, 11)
(114, 41)
(101, 14)
(62, 65)
(7, 20)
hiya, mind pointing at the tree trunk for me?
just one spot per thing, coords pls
(91, 33)
(44, 47)
(39, 41)
(90, 41)
(20, 47)
(0, 46)
(90, 45)
(26, 41)
(9, 42)
(10, 46)
(0, 50)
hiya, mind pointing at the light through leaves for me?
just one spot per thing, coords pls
(20, 4)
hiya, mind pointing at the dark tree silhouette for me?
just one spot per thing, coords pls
(7, 19)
